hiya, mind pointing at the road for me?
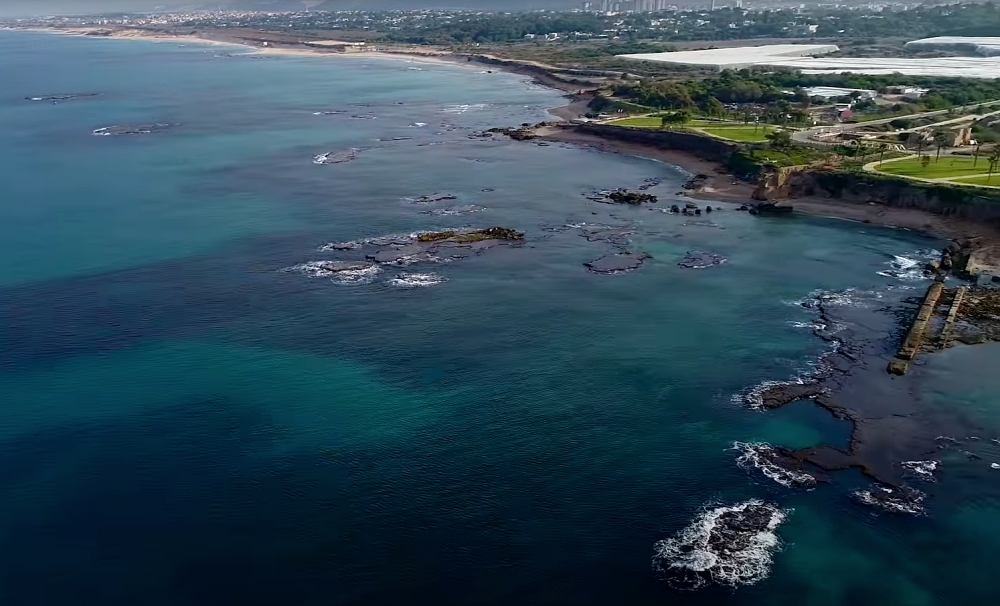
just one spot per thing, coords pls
(805, 136)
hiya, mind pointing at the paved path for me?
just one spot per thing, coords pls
(805, 136)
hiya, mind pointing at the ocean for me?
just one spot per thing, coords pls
(196, 412)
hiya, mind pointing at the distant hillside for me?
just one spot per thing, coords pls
(343, 5)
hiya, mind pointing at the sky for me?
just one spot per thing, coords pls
(13, 8)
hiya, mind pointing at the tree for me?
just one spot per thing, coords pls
(994, 160)
(881, 153)
(975, 156)
(779, 138)
(940, 140)
(925, 161)
(715, 107)
(675, 118)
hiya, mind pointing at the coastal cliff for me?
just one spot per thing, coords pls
(777, 184)
(707, 148)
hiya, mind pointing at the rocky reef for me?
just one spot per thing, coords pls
(617, 263)
(524, 132)
(430, 198)
(624, 196)
(700, 260)
(362, 260)
(728, 545)
(339, 157)
(471, 236)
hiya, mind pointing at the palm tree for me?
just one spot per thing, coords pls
(994, 160)
(881, 153)
(940, 140)
(975, 157)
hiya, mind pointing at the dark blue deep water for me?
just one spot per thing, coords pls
(184, 423)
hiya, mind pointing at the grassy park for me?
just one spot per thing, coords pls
(992, 181)
(947, 167)
(735, 131)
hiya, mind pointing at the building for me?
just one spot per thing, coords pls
(833, 92)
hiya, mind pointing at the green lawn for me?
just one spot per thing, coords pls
(947, 166)
(994, 181)
(737, 131)
(644, 122)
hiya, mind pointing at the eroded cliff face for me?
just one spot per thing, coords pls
(702, 146)
(777, 184)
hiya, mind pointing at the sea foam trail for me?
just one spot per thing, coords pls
(730, 546)
(763, 456)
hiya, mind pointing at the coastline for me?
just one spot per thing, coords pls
(719, 185)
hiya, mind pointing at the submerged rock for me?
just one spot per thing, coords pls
(430, 198)
(454, 210)
(130, 129)
(700, 260)
(617, 263)
(54, 99)
(337, 157)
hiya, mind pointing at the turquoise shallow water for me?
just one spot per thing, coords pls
(186, 424)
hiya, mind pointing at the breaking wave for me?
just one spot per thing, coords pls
(730, 546)
(339, 272)
(414, 280)
(461, 109)
(910, 266)
(763, 456)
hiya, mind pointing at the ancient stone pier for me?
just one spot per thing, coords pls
(915, 336)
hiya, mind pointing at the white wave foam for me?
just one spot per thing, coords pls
(923, 469)
(761, 456)
(849, 297)
(418, 125)
(414, 280)
(893, 500)
(338, 272)
(909, 267)
(727, 545)
(357, 276)
(753, 397)
(386, 240)
(461, 109)
(809, 325)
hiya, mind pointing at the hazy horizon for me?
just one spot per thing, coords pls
(22, 8)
